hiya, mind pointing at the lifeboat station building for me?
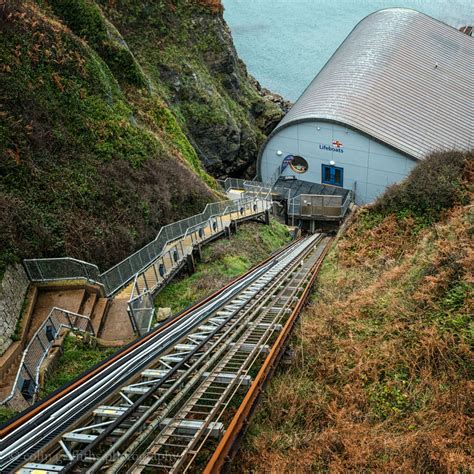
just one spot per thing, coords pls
(400, 86)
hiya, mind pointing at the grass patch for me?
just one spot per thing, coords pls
(383, 361)
(6, 413)
(80, 354)
(222, 261)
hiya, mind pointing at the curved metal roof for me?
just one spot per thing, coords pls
(401, 77)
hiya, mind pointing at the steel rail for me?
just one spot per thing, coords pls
(259, 304)
(252, 358)
(241, 417)
(33, 417)
(143, 418)
(142, 357)
(139, 402)
(293, 254)
(271, 333)
(38, 407)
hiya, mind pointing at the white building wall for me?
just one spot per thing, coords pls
(366, 162)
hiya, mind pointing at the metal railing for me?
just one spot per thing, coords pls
(140, 307)
(121, 274)
(52, 269)
(237, 183)
(115, 278)
(319, 205)
(163, 254)
(27, 379)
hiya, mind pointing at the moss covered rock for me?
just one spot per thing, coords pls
(112, 114)
(186, 47)
(87, 169)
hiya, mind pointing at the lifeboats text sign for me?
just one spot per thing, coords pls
(336, 146)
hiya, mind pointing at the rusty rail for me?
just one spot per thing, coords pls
(227, 446)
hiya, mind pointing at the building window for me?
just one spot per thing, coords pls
(298, 164)
(332, 175)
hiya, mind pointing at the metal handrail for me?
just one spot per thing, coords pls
(232, 207)
(237, 183)
(138, 296)
(131, 268)
(178, 235)
(167, 234)
(41, 341)
(116, 277)
(294, 204)
(37, 269)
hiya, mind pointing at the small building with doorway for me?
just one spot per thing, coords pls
(399, 87)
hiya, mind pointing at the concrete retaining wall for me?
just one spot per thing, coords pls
(13, 289)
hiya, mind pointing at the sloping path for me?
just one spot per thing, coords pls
(151, 278)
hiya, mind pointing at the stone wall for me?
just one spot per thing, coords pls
(12, 294)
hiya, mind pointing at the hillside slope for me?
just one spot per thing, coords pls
(110, 111)
(381, 379)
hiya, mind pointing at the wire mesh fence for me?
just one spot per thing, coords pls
(149, 266)
(26, 382)
(313, 205)
(48, 269)
(115, 278)
(146, 283)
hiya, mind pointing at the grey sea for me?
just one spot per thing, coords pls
(286, 42)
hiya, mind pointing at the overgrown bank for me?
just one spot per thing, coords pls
(80, 353)
(224, 260)
(383, 362)
(112, 114)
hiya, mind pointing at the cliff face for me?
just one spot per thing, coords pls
(186, 48)
(112, 116)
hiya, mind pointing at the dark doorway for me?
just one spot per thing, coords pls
(332, 175)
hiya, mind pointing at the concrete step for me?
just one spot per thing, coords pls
(117, 325)
(88, 304)
(98, 314)
(125, 293)
(9, 377)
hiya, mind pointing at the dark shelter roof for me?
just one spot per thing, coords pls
(298, 187)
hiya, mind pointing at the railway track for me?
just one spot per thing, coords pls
(176, 399)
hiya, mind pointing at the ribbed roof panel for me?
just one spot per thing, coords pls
(382, 80)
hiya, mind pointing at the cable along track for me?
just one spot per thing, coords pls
(164, 405)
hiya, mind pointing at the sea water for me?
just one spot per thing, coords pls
(286, 42)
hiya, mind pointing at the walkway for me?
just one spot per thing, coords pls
(155, 274)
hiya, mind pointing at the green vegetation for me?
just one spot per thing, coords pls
(432, 187)
(87, 172)
(108, 110)
(6, 413)
(80, 354)
(383, 356)
(85, 19)
(222, 261)
(193, 64)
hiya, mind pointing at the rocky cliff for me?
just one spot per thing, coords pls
(114, 116)
(189, 54)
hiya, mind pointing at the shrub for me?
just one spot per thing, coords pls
(85, 19)
(214, 5)
(434, 185)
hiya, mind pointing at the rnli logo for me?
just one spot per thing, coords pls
(336, 146)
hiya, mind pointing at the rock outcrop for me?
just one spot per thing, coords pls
(190, 52)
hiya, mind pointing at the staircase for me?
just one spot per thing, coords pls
(8, 377)
(85, 301)
(96, 308)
